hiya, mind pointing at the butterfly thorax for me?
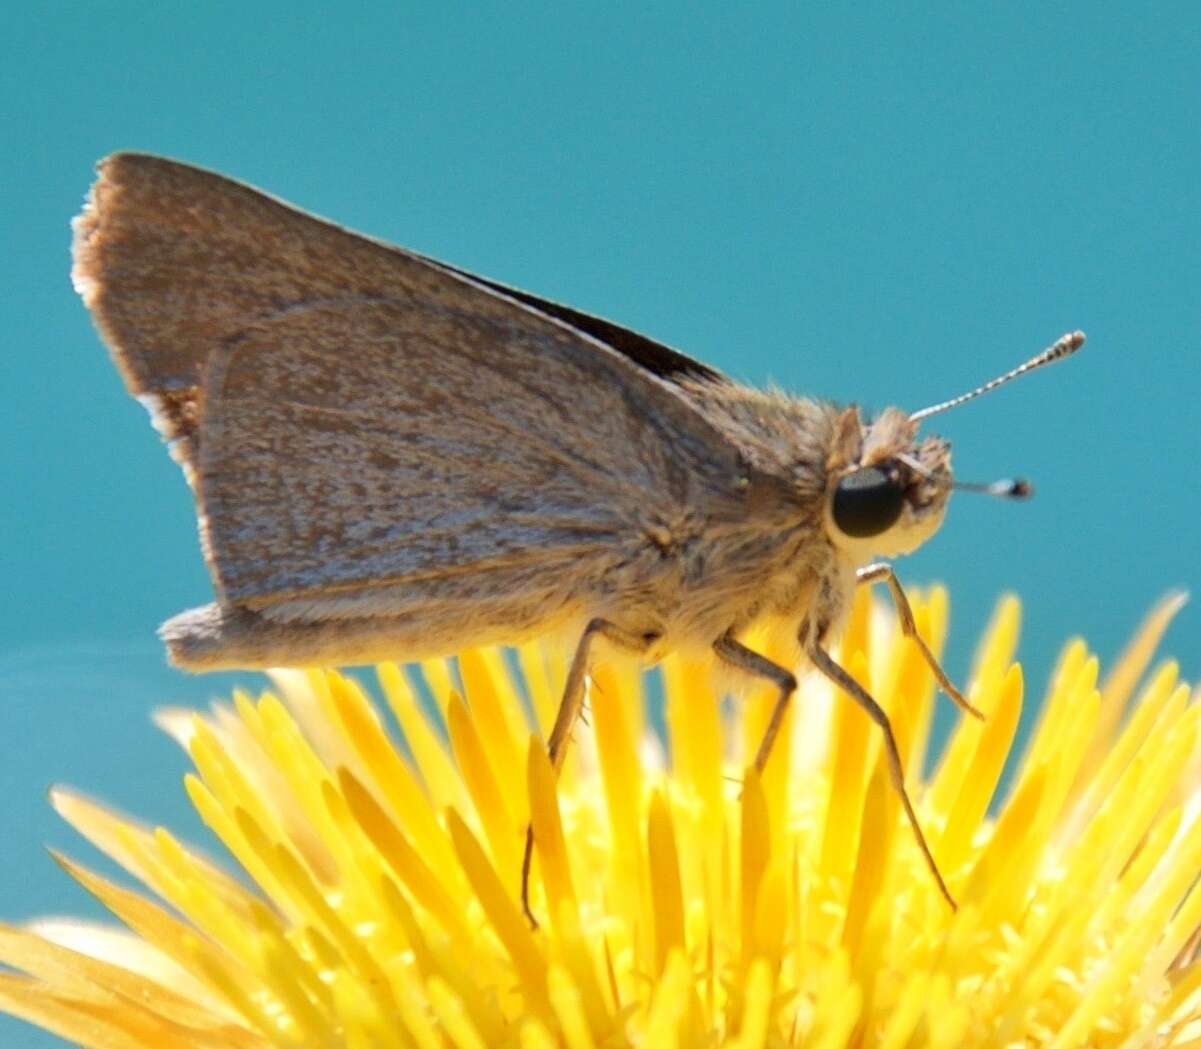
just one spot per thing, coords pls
(825, 492)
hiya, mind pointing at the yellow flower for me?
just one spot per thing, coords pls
(683, 903)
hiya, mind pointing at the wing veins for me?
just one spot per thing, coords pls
(592, 473)
(570, 458)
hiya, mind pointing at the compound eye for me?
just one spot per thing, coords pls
(868, 502)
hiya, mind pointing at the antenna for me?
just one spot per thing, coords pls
(1064, 346)
(1009, 488)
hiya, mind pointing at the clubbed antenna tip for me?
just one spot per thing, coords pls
(1062, 347)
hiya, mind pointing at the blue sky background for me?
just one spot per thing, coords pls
(832, 197)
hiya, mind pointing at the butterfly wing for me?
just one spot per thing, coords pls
(363, 427)
(365, 443)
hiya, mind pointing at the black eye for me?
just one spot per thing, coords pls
(868, 502)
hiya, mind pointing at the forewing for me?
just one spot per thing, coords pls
(653, 356)
(372, 441)
(354, 416)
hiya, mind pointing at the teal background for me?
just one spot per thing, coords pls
(840, 199)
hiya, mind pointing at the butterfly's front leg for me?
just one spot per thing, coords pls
(875, 572)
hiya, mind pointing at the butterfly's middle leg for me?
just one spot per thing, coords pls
(738, 655)
(733, 652)
(570, 707)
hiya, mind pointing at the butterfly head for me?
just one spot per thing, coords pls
(887, 488)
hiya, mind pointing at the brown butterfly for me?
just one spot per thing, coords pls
(392, 458)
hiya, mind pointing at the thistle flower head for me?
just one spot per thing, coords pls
(685, 902)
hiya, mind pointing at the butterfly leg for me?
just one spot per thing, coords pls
(821, 659)
(736, 654)
(570, 707)
(876, 572)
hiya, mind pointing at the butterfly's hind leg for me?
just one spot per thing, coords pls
(570, 707)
